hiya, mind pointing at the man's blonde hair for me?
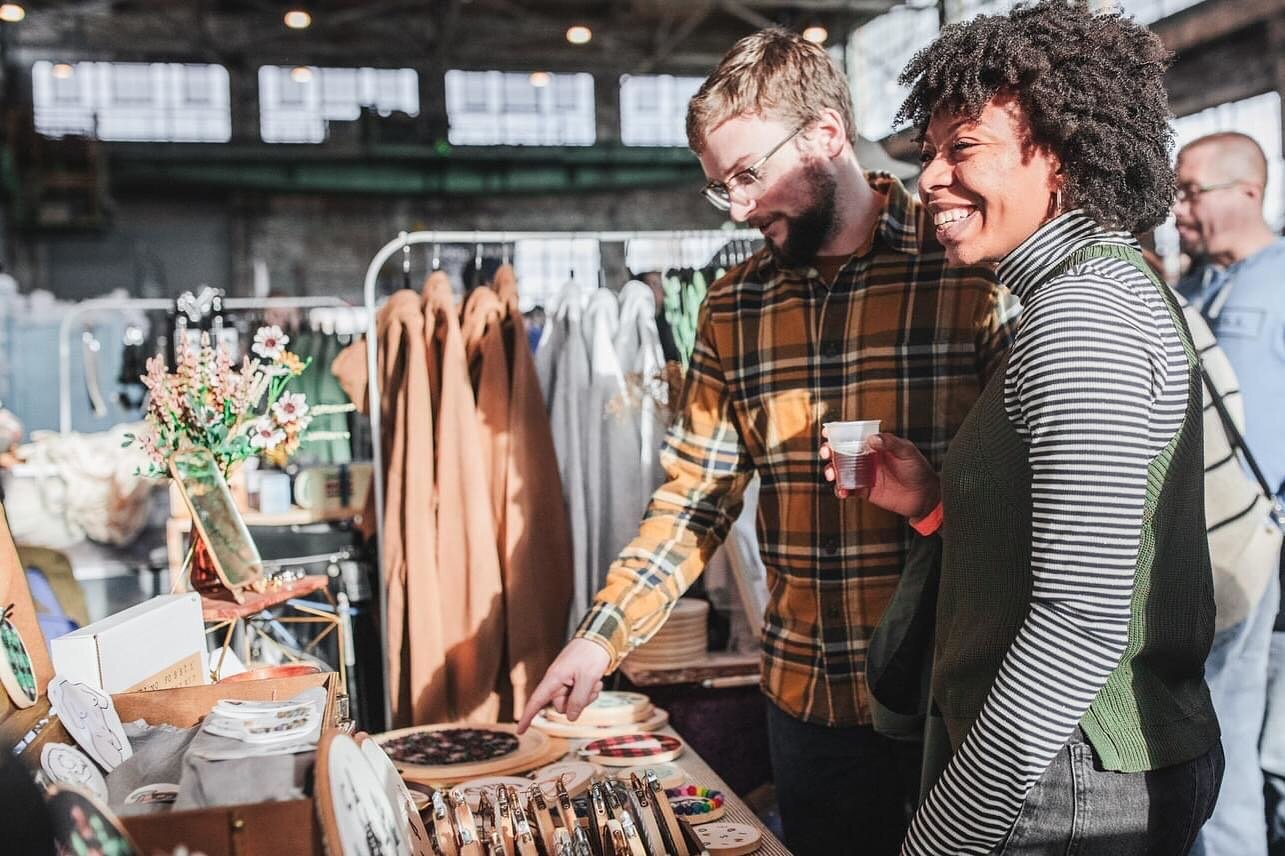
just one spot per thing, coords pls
(774, 74)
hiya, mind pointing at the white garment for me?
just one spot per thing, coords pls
(611, 441)
(562, 365)
(643, 361)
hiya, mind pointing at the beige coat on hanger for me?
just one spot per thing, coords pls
(472, 605)
(526, 493)
(417, 647)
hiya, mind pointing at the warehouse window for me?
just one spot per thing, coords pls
(296, 105)
(653, 109)
(495, 108)
(128, 101)
(544, 268)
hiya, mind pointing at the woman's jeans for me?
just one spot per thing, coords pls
(1079, 808)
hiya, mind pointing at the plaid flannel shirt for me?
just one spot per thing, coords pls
(897, 337)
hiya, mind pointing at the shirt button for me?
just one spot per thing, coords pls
(830, 349)
(833, 611)
(830, 545)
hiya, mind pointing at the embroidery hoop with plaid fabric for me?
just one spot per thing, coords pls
(628, 750)
(16, 672)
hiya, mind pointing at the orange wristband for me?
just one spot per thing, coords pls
(929, 523)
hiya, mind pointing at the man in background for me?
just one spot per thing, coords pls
(1237, 282)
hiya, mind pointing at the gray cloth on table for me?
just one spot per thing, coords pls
(158, 757)
(248, 773)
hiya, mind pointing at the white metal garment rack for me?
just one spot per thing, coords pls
(144, 304)
(401, 244)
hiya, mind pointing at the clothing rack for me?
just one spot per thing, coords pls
(144, 304)
(402, 244)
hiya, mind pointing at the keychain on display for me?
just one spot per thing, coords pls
(598, 812)
(485, 815)
(495, 845)
(646, 817)
(562, 844)
(632, 839)
(504, 816)
(538, 813)
(566, 811)
(613, 819)
(465, 826)
(443, 831)
(581, 841)
(523, 837)
(665, 817)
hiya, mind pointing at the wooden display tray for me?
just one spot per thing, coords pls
(278, 827)
(288, 826)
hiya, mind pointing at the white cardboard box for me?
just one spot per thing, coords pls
(155, 645)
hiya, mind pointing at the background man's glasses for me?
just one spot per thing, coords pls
(1191, 192)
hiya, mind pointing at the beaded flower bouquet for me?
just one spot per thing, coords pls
(203, 419)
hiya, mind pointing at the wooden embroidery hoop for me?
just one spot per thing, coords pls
(534, 748)
(19, 694)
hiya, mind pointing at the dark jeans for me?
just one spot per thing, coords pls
(841, 790)
(1078, 808)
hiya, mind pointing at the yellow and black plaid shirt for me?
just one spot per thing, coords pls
(896, 337)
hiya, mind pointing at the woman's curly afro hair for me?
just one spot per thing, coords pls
(1091, 86)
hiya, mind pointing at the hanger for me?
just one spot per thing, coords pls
(405, 261)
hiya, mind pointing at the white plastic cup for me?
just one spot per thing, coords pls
(850, 453)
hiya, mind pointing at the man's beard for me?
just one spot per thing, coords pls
(807, 232)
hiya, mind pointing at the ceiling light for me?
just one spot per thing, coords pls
(62, 71)
(579, 35)
(540, 79)
(298, 19)
(12, 13)
(301, 74)
(816, 34)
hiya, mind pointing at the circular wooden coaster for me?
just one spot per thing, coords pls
(84, 825)
(728, 839)
(357, 818)
(474, 788)
(670, 775)
(575, 775)
(532, 750)
(575, 731)
(632, 750)
(16, 673)
(402, 799)
(609, 708)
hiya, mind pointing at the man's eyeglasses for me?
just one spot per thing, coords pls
(1191, 192)
(746, 185)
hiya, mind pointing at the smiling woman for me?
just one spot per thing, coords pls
(1075, 607)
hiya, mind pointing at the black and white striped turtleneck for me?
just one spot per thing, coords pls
(1096, 386)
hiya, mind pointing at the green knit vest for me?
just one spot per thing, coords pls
(1155, 709)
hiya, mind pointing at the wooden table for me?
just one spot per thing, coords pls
(700, 773)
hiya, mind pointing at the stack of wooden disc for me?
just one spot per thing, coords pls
(610, 714)
(682, 641)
